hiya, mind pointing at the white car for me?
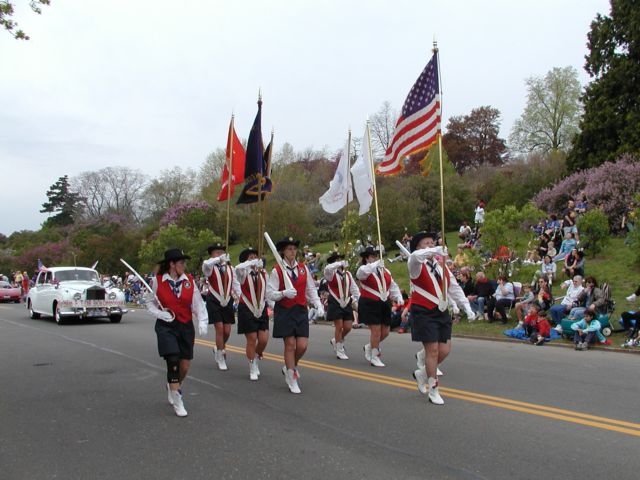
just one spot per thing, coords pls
(74, 292)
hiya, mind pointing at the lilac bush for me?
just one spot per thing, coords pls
(173, 215)
(610, 186)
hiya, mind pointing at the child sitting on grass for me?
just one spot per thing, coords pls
(536, 325)
(586, 330)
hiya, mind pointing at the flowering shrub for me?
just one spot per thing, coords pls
(175, 214)
(51, 254)
(610, 186)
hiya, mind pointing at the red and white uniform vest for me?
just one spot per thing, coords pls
(220, 284)
(252, 292)
(180, 306)
(340, 286)
(300, 285)
(376, 287)
(426, 291)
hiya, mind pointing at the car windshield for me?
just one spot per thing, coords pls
(83, 275)
(4, 284)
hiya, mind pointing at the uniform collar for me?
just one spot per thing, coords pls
(167, 277)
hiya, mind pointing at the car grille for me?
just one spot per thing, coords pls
(95, 293)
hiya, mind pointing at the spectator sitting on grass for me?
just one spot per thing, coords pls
(465, 231)
(553, 226)
(536, 325)
(586, 330)
(525, 302)
(547, 270)
(542, 292)
(502, 299)
(574, 263)
(568, 244)
(481, 293)
(551, 250)
(461, 259)
(574, 289)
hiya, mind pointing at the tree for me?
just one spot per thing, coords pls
(472, 140)
(594, 230)
(6, 12)
(550, 119)
(610, 125)
(382, 125)
(111, 191)
(171, 188)
(63, 201)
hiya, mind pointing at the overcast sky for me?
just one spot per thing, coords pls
(152, 84)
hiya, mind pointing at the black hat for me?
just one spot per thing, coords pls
(333, 256)
(369, 251)
(285, 242)
(244, 254)
(174, 255)
(216, 246)
(419, 236)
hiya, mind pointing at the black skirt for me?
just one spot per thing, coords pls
(430, 325)
(290, 322)
(336, 312)
(248, 323)
(175, 338)
(374, 312)
(218, 313)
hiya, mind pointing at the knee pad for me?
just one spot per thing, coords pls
(173, 369)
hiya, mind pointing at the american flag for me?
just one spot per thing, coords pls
(41, 267)
(419, 124)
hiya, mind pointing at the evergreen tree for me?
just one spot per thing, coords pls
(62, 201)
(611, 122)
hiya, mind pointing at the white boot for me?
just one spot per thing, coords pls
(439, 372)
(333, 344)
(169, 396)
(290, 378)
(252, 370)
(367, 352)
(434, 394)
(420, 362)
(221, 359)
(178, 406)
(421, 379)
(375, 358)
(256, 363)
(340, 353)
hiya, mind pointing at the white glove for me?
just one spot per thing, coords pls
(379, 263)
(471, 315)
(290, 293)
(445, 251)
(400, 301)
(320, 310)
(165, 316)
(258, 262)
(344, 263)
(202, 328)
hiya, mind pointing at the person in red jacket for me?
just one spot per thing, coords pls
(343, 295)
(537, 325)
(290, 316)
(174, 302)
(377, 288)
(253, 320)
(429, 309)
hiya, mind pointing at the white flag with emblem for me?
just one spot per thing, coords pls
(340, 192)
(363, 176)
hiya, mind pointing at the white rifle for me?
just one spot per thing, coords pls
(287, 281)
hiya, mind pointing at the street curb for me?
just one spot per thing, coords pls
(560, 345)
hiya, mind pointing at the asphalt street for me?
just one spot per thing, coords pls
(88, 400)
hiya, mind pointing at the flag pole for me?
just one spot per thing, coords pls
(375, 188)
(346, 206)
(444, 243)
(264, 203)
(230, 175)
(260, 176)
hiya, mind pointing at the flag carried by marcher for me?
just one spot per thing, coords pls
(236, 157)
(419, 124)
(340, 192)
(362, 175)
(256, 184)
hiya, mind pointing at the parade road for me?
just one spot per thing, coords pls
(88, 401)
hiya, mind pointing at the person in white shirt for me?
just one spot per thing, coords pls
(574, 288)
(479, 214)
(174, 301)
(219, 273)
(291, 295)
(377, 288)
(343, 298)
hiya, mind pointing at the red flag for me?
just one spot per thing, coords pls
(237, 164)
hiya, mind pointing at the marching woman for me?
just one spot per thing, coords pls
(343, 295)
(253, 320)
(176, 292)
(219, 274)
(429, 309)
(290, 317)
(374, 309)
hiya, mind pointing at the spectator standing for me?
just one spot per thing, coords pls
(479, 214)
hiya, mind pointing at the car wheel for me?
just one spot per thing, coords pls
(33, 315)
(115, 318)
(17, 301)
(56, 315)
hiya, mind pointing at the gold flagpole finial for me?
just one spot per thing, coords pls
(435, 45)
